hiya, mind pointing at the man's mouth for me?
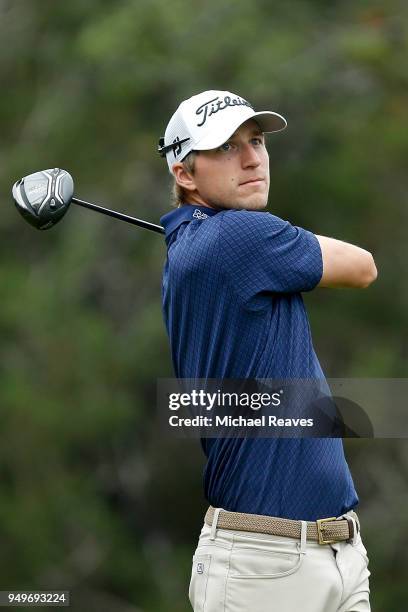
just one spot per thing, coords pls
(253, 181)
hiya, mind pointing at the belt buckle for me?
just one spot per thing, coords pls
(319, 530)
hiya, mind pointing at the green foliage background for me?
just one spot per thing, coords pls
(92, 499)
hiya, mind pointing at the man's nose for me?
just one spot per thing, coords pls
(249, 156)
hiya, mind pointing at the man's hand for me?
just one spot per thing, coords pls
(345, 265)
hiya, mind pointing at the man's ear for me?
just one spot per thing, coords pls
(183, 177)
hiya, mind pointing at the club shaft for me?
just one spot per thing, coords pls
(117, 215)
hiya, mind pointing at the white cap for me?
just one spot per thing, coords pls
(207, 120)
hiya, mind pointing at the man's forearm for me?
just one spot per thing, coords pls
(345, 265)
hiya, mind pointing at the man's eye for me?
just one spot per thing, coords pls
(258, 141)
(225, 147)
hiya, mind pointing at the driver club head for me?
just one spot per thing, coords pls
(43, 198)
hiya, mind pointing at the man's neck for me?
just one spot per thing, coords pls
(196, 200)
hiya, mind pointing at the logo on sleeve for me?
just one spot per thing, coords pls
(200, 568)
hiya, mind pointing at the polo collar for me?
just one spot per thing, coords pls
(184, 214)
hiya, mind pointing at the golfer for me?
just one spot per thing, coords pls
(280, 533)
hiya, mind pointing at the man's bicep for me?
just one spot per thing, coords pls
(345, 265)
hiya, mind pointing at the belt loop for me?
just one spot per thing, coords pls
(357, 521)
(355, 525)
(214, 523)
(303, 537)
(355, 530)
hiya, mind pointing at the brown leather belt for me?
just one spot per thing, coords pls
(323, 531)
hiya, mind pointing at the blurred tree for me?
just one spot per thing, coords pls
(90, 494)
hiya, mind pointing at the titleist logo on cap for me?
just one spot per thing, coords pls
(216, 104)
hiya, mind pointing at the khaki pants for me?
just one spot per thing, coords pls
(241, 571)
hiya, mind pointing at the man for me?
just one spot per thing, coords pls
(233, 308)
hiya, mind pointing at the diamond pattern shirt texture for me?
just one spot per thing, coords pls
(232, 305)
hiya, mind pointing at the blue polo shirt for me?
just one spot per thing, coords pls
(233, 308)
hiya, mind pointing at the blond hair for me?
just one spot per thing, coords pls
(178, 194)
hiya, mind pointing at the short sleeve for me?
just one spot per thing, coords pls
(263, 253)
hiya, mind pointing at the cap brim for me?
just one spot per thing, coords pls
(268, 121)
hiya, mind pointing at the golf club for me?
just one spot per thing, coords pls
(43, 199)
